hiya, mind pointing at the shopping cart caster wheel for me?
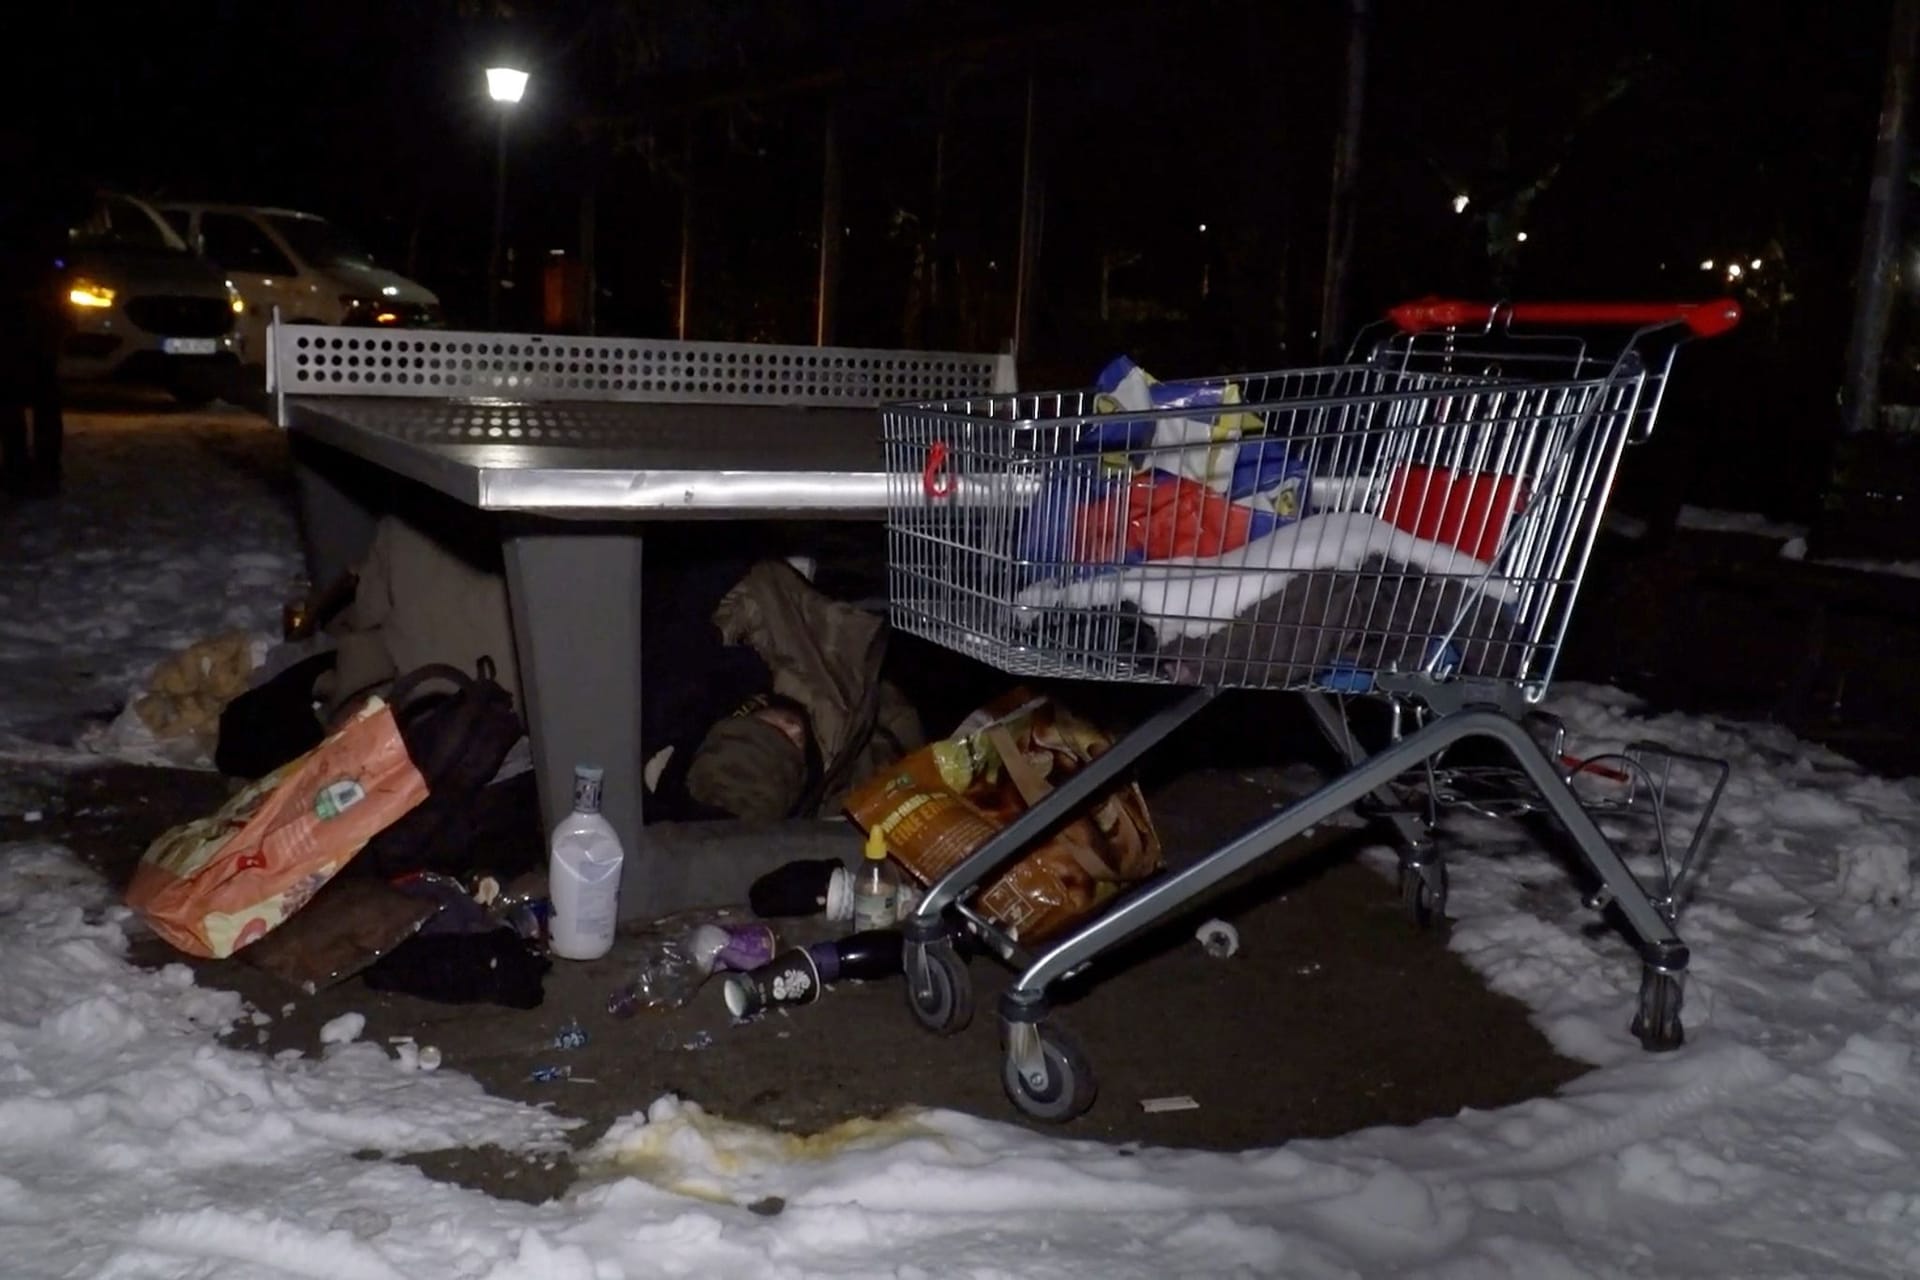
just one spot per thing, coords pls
(1423, 892)
(1657, 1021)
(1049, 1079)
(939, 988)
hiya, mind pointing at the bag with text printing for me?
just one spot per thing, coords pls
(214, 885)
(946, 800)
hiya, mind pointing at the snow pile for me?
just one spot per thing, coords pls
(166, 532)
(1710, 520)
(125, 1127)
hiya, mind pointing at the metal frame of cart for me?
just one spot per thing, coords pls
(1466, 437)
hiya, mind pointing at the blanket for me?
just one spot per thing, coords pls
(1192, 597)
(1337, 627)
(1334, 597)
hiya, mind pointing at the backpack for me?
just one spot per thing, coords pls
(458, 742)
(269, 725)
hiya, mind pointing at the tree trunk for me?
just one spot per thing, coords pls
(1875, 280)
(589, 259)
(827, 296)
(1346, 169)
(1029, 235)
(683, 307)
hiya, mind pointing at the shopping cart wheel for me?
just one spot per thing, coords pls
(1423, 892)
(939, 988)
(1045, 1074)
(1657, 1020)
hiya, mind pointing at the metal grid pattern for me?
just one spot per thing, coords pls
(443, 364)
(1428, 509)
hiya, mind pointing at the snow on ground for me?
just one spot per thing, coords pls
(1711, 520)
(1791, 537)
(134, 1144)
(165, 534)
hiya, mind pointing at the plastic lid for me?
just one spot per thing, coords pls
(591, 772)
(876, 842)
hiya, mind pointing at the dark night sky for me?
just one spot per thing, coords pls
(1742, 124)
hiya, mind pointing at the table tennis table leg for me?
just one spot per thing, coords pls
(574, 591)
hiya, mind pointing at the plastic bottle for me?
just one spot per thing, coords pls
(810, 886)
(673, 963)
(866, 956)
(876, 886)
(583, 875)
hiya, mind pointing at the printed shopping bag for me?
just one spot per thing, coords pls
(214, 885)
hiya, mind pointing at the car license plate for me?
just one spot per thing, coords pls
(190, 346)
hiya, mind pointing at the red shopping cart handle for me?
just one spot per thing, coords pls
(1706, 319)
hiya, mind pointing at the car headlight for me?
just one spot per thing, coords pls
(234, 300)
(89, 294)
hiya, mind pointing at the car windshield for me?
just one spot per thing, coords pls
(119, 223)
(319, 242)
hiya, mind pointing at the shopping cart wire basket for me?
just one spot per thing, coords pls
(1410, 526)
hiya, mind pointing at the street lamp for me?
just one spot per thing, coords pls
(506, 86)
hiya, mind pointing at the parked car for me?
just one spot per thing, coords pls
(313, 271)
(142, 307)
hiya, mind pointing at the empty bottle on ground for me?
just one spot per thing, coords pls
(583, 874)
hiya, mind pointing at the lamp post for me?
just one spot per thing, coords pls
(505, 86)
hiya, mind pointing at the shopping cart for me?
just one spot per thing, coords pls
(1410, 527)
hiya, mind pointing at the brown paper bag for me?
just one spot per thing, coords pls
(946, 800)
(214, 885)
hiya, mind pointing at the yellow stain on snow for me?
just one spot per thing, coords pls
(692, 1153)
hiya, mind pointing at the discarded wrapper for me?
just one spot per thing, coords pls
(1177, 1102)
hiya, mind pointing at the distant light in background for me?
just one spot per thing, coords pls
(1734, 271)
(1203, 228)
(1522, 237)
(1707, 265)
(1460, 203)
(85, 293)
(391, 290)
(505, 84)
(1755, 264)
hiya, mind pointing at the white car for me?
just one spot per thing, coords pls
(310, 269)
(141, 307)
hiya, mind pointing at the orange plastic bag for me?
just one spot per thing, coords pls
(214, 885)
(946, 800)
(1158, 516)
